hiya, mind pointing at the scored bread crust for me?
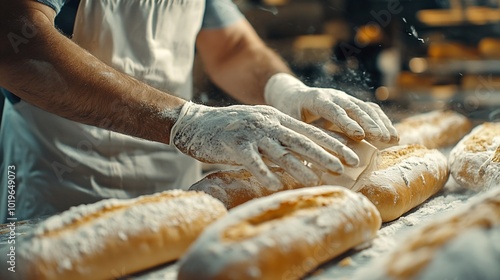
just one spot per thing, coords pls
(281, 236)
(235, 187)
(401, 178)
(435, 129)
(419, 249)
(116, 237)
(475, 160)
(404, 177)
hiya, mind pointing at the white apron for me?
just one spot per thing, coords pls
(60, 163)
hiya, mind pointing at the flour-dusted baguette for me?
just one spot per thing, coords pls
(399, 179)
(435, 129)
(281, 236)
(475, 160)
(235, 187)
(462, 245)
(113, 237)
(403, 177)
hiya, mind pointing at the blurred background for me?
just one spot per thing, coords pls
(408, 56)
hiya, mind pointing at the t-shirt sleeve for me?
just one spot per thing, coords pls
(220, 13)
(54, 4)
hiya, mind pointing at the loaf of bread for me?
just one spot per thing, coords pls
(463, 244)
(441, 17)
(235, 187)
(113, 237)
(452, 50)
(434, 130)
(402, 178)
(398, 179)
(475, 160)
(281, 236)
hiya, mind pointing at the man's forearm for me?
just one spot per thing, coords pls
(56, 75)
(244, 63)
(246, 76)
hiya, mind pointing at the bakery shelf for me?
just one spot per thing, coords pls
(456, 66)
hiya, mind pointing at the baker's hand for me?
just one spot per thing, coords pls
(242, 135)
(356, 118)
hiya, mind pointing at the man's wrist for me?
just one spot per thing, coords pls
(279, 83)
(179, 114)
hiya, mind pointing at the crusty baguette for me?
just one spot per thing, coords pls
(113, 237)
(235, 187)
(435, 129)
(462, 244)
(281, 236)
(404, 177)
(400, 178)
(475, 160)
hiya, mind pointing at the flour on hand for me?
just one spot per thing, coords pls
(244, 135)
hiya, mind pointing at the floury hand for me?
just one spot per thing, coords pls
(243, 135)
(354, 117)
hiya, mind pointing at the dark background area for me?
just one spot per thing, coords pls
(408, 56)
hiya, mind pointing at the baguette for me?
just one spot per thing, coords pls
(113, 237)
(459, 245)
(475, 160)
(434, 130)
(235, 187)
(403, 178)
(281, 236)
(399, 179)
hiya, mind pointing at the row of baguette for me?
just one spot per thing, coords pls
(264, 235)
